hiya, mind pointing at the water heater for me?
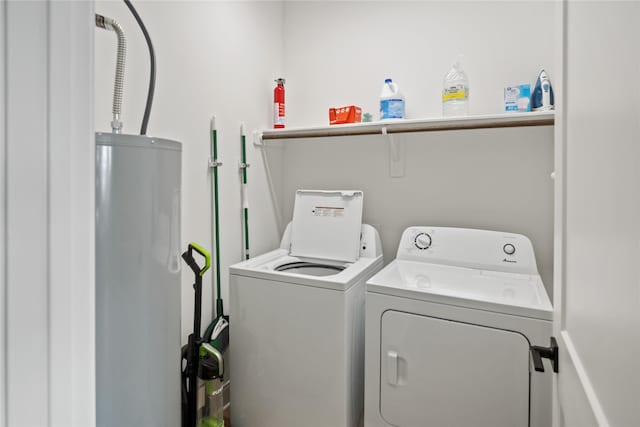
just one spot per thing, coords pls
(137, 281)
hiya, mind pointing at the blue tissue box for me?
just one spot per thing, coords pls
(517, 98)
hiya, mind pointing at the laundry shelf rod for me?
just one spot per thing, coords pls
(503, 120)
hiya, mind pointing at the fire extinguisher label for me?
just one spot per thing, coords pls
(278, 113)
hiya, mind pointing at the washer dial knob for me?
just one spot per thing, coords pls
(509, 249)
(422, 241)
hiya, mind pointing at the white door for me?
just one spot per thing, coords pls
(452, 373)
(46, 214)
(598, 217)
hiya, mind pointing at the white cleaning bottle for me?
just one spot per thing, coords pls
(391, 101)
(455, 92)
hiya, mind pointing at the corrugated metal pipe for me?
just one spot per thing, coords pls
(112, 25)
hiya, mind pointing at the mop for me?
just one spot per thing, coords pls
(217, 333)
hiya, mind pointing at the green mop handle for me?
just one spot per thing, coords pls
(216, 234)
(245, 204)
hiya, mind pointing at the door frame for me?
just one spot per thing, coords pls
(3, 377)
(571, 367)
(47, 213)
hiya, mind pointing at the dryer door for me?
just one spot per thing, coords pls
(437, 372)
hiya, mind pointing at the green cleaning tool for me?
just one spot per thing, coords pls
(191, 352)
(202, 364)
(217, 333)
(245, 196)
(210, 385)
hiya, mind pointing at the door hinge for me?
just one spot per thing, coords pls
(551, 353)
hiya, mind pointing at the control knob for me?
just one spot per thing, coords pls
(509, 249)
(422, 241)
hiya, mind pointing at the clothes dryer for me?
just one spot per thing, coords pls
(449, 325)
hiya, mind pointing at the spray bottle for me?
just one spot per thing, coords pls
(278, 104)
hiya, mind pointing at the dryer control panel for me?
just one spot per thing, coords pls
(464, 247)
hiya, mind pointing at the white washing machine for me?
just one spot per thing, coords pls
(449, 325)
(297, 318)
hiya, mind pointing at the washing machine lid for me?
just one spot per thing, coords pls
(496, 291)
(327, 225)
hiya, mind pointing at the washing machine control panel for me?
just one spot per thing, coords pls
(480, 249)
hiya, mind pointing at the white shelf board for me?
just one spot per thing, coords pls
(502, 120)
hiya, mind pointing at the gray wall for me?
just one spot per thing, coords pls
(497, 179)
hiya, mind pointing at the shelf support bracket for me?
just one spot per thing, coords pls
(396, 154)
(257, 138)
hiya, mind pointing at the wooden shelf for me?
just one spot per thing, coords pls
(503, 120)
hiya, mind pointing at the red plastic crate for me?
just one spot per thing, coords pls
(348, 114)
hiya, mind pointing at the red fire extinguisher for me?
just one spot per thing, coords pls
(278, 104)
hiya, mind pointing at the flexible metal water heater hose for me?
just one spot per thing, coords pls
(112, 25)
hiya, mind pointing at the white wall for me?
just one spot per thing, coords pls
(338, 53)
(212, 58)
